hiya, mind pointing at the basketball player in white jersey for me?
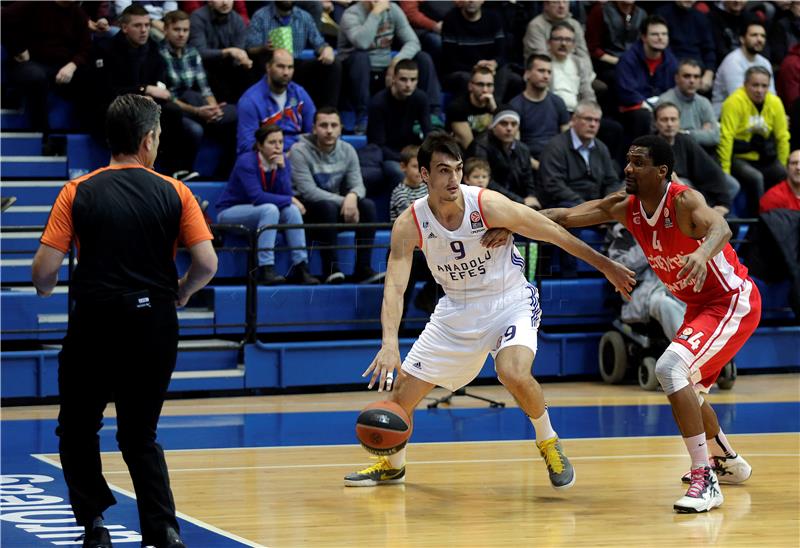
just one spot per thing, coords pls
(488, 308)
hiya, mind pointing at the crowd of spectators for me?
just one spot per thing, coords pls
(543, 97)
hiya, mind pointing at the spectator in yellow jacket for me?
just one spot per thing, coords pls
(754, 137)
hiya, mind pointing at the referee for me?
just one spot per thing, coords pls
(126, 221)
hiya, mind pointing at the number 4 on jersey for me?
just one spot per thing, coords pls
(656, 242)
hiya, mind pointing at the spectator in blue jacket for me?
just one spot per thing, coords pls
(275, 100)
(690, 37)
(321, 74)
(259, 193)
(645, 71)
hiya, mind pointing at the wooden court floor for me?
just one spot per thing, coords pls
(481, 493)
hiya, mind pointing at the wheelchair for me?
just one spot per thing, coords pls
(638, 346)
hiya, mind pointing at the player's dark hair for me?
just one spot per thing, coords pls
(659, 150)
(129, 118)
(437, 141)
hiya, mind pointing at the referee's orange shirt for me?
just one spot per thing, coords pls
(127, 222)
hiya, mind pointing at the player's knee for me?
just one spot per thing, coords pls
(672, 372)
(510, 375)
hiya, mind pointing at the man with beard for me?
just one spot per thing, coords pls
(322, 75)
(645, 71)
(275, 100)
(730, 75)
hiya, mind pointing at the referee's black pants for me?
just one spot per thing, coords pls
(115, 352)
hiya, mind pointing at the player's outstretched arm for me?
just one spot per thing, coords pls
(594, 212)
(405, 237)
(500, 211)
(697, 220)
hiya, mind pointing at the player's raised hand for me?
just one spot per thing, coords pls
(495, 237)
(622, 278)
(694, 269)
(382, 368)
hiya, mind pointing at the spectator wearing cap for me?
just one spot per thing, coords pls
(508, 157)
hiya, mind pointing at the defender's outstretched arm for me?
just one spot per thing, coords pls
(595, 212)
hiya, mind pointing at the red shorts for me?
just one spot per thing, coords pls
(712, 333)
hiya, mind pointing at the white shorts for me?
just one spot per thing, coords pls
(451, 350)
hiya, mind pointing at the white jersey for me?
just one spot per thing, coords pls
(458, 261)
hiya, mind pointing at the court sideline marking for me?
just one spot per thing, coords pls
(47, 460)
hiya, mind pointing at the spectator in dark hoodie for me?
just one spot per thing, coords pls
(645, 71)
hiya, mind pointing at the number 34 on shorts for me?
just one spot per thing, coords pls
(693, 338)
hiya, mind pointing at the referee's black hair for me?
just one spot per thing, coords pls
(437, 141)
(128, 120)
(659, 149)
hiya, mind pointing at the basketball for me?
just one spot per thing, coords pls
(383, 428)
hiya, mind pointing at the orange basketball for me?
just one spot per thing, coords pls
(383, 428)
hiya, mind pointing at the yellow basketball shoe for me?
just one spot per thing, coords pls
(380, 473)
(562, 474)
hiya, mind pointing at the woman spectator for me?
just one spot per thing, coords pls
(259, 193)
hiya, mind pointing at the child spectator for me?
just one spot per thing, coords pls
(403, 195)
(411, 186)
(478, 172)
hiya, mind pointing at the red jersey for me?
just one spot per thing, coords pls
(664, 244)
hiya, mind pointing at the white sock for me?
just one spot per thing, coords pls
(719, 446)
(544, 430)
(398, 460)
(698, 450)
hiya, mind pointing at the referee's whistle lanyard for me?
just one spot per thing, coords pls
(273, 174)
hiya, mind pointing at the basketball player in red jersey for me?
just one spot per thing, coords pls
(686, 244)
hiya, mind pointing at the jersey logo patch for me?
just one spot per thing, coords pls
(667, 220)
(431, 236)
(425, 224)
(475, 220)
(416, 365)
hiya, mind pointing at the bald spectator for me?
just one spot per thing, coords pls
(321, 75)
(367, 32)
(538, 32)
(730, 75)
(275, 99)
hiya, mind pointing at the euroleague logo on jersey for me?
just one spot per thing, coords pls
(667, 220)
(475, 220)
